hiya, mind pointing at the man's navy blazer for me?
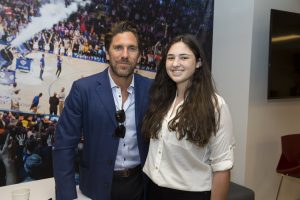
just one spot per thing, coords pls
(90, 111)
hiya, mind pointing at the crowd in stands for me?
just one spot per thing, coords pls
(25, 147)
(25, 154)
(82, 34)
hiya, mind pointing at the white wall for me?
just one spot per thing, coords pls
(268, 120)
(240, 64)
(231, 61)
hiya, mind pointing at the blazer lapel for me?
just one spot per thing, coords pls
(105, 94)
(138, 99)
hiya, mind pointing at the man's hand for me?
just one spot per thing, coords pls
(49, 140)
(21, 139)
(8, 156)
(8, 153)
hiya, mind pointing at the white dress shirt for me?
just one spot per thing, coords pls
(181, 165)
(128, 155)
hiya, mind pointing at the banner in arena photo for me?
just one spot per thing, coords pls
(23, 64)
(7, 77)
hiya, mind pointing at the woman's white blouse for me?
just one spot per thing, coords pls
(181, 165)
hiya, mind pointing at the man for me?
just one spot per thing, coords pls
(15, 101)
(15, 88)
(53, 101)
(59, 63)
(35, 103)
(106, 109)
(61, 97)
(42, 66)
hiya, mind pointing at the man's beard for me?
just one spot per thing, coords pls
(122, 73)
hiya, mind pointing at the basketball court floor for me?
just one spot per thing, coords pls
(31, 85)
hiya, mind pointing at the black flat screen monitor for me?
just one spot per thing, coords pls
(284, 55)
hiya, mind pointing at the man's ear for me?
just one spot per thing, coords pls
(107, 55)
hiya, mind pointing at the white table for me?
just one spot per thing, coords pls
(39, 190)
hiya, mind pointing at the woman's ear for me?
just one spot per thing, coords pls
(199, 63)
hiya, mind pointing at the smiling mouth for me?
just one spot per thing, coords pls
(177, 72)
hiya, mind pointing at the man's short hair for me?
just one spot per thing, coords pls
(121, 27)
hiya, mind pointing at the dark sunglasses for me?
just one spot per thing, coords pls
(121, 129)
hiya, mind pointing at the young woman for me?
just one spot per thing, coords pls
(189, 127)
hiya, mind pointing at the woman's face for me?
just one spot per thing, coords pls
(181, 63)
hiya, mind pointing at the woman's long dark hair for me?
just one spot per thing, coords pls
(198, 117)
